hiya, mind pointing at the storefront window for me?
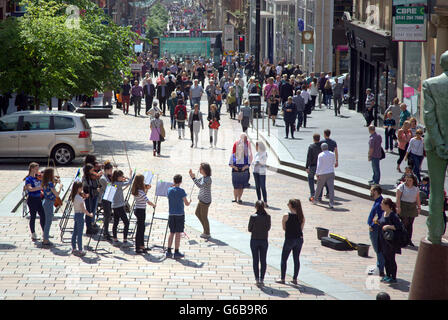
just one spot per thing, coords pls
(412, 77)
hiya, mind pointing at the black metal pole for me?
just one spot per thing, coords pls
(257, 38)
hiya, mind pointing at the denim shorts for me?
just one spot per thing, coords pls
(176, 223)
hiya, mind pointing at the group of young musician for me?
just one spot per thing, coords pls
(87, 194)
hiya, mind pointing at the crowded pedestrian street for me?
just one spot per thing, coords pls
(207, 151)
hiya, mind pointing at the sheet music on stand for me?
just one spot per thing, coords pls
(162, 188)
(148, 177)
(109, 194)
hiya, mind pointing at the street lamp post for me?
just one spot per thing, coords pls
(257, 37)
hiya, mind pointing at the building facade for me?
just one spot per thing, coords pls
(394, 68)
(373, 54)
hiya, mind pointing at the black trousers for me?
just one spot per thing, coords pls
(389, 262)
(148, 102)
(232, 110)
(162, 102)
(140, 233)
(35, 206)
(107, 208)
(259, 250)
(157, 146)
(402, 154)
(294, 245)
(288, 125)
(120, 213)
(408, 223)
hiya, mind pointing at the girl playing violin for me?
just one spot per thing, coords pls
(91, 187)
(118, 204)
(139, 191)
(50, 194)
(105, 180)
(34, 202)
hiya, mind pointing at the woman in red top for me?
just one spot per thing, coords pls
(180, 113)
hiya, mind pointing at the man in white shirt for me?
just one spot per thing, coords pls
(325, 173)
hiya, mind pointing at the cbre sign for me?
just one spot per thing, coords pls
(409, 23)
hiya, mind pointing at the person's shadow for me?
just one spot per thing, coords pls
(274, 292)
(189, 263)
(306, 290)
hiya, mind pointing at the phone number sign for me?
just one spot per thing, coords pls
(409, 24)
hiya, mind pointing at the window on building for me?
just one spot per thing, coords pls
(412, 76)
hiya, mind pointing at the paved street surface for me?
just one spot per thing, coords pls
(218, 269)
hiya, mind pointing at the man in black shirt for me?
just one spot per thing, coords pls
(311, 162)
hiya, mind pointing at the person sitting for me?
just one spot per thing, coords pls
(407, 172)
(424, 191)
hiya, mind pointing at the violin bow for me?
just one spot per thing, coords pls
(192, 188)
(126, 151)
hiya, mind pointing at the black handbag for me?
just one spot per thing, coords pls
(389, 235)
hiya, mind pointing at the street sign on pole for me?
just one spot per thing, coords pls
(229, 38)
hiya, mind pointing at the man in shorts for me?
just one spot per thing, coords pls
(177, 197)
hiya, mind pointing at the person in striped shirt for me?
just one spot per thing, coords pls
(205, 196)
(139, 190)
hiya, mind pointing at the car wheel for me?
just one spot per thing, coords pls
(63, 154)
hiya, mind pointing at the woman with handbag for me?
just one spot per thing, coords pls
(157, 134)
(408, 203)
(390, 225)
(213, 124)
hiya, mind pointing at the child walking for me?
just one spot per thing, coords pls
(177, 197)
(79, 207)
(118, 205)
(139, 191)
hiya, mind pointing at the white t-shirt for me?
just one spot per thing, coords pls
(78, 204)
(408, 194)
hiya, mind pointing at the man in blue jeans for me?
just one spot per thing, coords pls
(375, 141)
(376, 214)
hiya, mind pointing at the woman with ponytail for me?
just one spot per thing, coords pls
(293, 224)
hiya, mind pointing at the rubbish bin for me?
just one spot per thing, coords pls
(363, 250)
(322, 233)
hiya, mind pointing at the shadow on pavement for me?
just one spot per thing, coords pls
(307, 290)
(58, 252)
(189, 263)
(89, 260)
(274, 292)
(7, 246)
(155, 259)
(402, 285)
(216, 242)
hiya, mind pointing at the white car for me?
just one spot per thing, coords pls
(60, 135)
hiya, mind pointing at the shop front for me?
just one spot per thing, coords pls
(373, 65)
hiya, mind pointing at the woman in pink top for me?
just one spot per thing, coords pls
(404, 136)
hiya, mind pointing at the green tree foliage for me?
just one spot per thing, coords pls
(44, 57)
(157, 21)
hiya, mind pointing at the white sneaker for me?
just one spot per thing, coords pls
(34, 236)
